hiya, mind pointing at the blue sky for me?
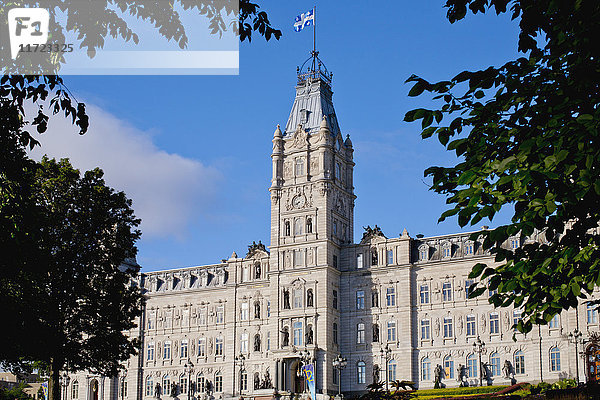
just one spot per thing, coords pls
(194, 151)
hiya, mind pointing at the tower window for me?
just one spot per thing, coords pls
(298, 226)
(338, 171)
(309, 225)
(299, 166)
(287, 228)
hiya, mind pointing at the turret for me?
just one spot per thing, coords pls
(277, 158)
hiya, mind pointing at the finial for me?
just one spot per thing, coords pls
(324, 123)
(278, 131)
(348, 142)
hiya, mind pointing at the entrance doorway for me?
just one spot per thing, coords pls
(592, 356)
(94, 388)
(299, 379)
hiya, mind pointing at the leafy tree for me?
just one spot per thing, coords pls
(15, 393)
(68, 290)
(526, 135)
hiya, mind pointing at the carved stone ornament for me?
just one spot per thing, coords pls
(370, 233)
(300, 138)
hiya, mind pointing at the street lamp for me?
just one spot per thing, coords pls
(576, 337)
(478, 346)
(387, 353)
(340, 363)
(123, 383)
(187, 369)
(306, 357)
(65, 383)
(239, 360)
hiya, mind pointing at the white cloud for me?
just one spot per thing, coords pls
(168, 191)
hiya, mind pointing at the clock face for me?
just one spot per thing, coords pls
(298, 201)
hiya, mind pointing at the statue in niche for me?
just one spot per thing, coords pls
(375, 333)
(286, 299)
(257, 310)
(256, 381)
(257, 271)
(309, 334)
(157, 390)
(309, 298)
(257, 342)
(266, 382)
(375, 373)
(285, 337)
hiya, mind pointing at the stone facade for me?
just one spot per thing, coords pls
(395, 308)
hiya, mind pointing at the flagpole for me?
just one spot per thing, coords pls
(315, 29)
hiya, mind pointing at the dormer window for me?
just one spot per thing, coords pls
(304, 116)
(514, 243)
(469, 248)
(338, 171)
(447, 250)
(423, 252)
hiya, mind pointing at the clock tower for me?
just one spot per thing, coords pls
(312, 219)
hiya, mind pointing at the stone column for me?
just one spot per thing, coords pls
(277, 368)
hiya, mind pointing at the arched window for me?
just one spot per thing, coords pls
(299, 166)
(309, 225)
(75, 390)
(309, 298)
(426, 369)
(218, 382)
(392, 367)
(361, 372)
(200, 384)
(166, 385)
(298, 226)
(149, 386)
(495, 364)
(449, 367)
(472, 366)
(423, 252)
(519, 362)
(287, 228)
(554, 359)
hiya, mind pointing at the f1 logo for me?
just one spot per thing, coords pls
(28, 26)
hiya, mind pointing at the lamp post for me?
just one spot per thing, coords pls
(65, 383)
(239, 360)
(306, 357)
(123, 383)
(387, 353)
(187, 369)
(478, 346)
(575, 337)
(340, 363)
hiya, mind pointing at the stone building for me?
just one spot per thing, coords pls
(395, 308)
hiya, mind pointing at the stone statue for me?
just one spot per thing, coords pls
(257, 342)
(257, 270)
(506, 369)
(370, 232)
(460, 373)
(286, 299)
(285, 337)
(375, 373)
(174, 390)
(254, 247)
(309, 335)
(257, 310)
(309, 298)
(485, 371)
(436, 327)
(256, 381)
(375, 333)
(266, 383)
(157, 390)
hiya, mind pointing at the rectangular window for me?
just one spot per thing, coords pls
(471, 331)
(151, 324)
(592, 314)
(374, 298)
(168, 319)
(334, 228)
(202, 347)
(517, 317)
(360, 333)
(167, 350)
(219, 346)
(391, 331)
(424, 294)
(360, 299)
(244, 343)
(447, 291)
(390, 297)
(202, 316)
(425, 329)
(468, 248)
(298, 333)
(494, 323)
(150, 352)
(338, 171)
(244, 380)
(297, 298)
(359, 262)
(268, 341)
(448, 328)
(220, 314)
(183, 349)
(390, 257)
(335, 333)
(268, 308)
(335, 261)
(514, 243)
(299, 166)
(244, 312)
(468, 284)
(554, 322)
(361, 372)
(219, 383)
(335, 299)
(298, 258)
